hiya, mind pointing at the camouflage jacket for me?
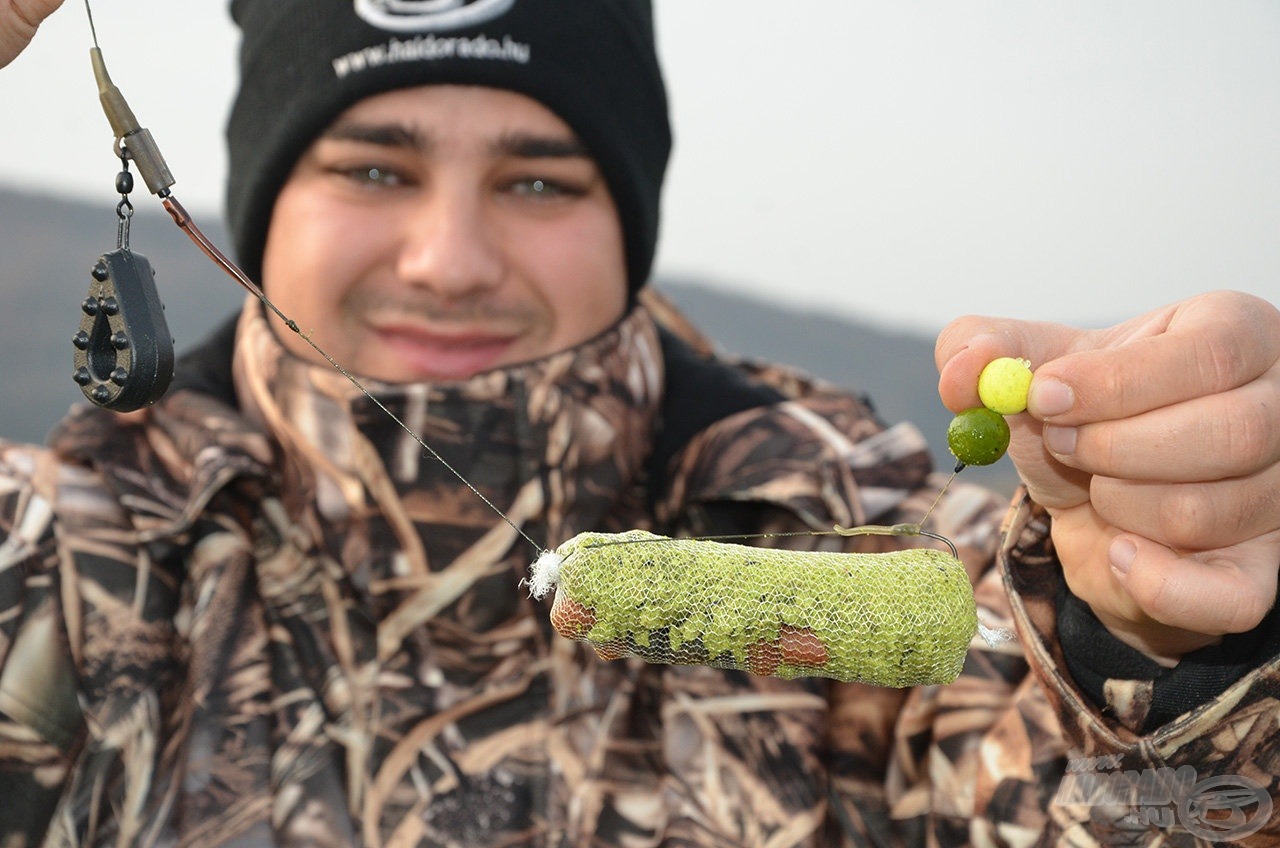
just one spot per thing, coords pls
(260, 613)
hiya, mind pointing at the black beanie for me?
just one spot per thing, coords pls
(304, 62)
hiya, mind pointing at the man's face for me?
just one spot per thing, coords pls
(436, 232)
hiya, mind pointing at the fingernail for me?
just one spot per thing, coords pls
(1051, 397)
(1061, 440)
(1121, 553)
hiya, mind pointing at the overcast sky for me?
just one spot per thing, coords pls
(1073, 160)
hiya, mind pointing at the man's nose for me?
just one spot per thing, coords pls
(450, 245)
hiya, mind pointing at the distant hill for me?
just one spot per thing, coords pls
(48, 245)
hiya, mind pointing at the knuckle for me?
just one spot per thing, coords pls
(1185, 514)
(1258, 320)
(1239, 346)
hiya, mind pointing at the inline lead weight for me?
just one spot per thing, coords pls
(123, 357)
(123, 354)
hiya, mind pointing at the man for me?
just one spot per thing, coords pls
(257, 614)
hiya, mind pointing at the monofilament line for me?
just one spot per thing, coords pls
(184, 222)
(92, 30)
(292, 325)
(183, 219)
(960, 466)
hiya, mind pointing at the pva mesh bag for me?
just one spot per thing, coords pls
(902, 618)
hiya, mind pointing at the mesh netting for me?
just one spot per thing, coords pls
(902, 618)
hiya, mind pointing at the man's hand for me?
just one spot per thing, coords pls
(18, 22)
(1155, 446)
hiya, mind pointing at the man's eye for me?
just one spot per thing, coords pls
(543, 189)
(372, 175)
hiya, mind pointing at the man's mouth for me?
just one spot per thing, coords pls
(446, 353)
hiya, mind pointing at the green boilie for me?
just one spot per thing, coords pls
(978, 436)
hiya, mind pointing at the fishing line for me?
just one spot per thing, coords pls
(159, 180)
(156, 174)
(960, 466)
(88, 11)
(892, 618)
(184, 222)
